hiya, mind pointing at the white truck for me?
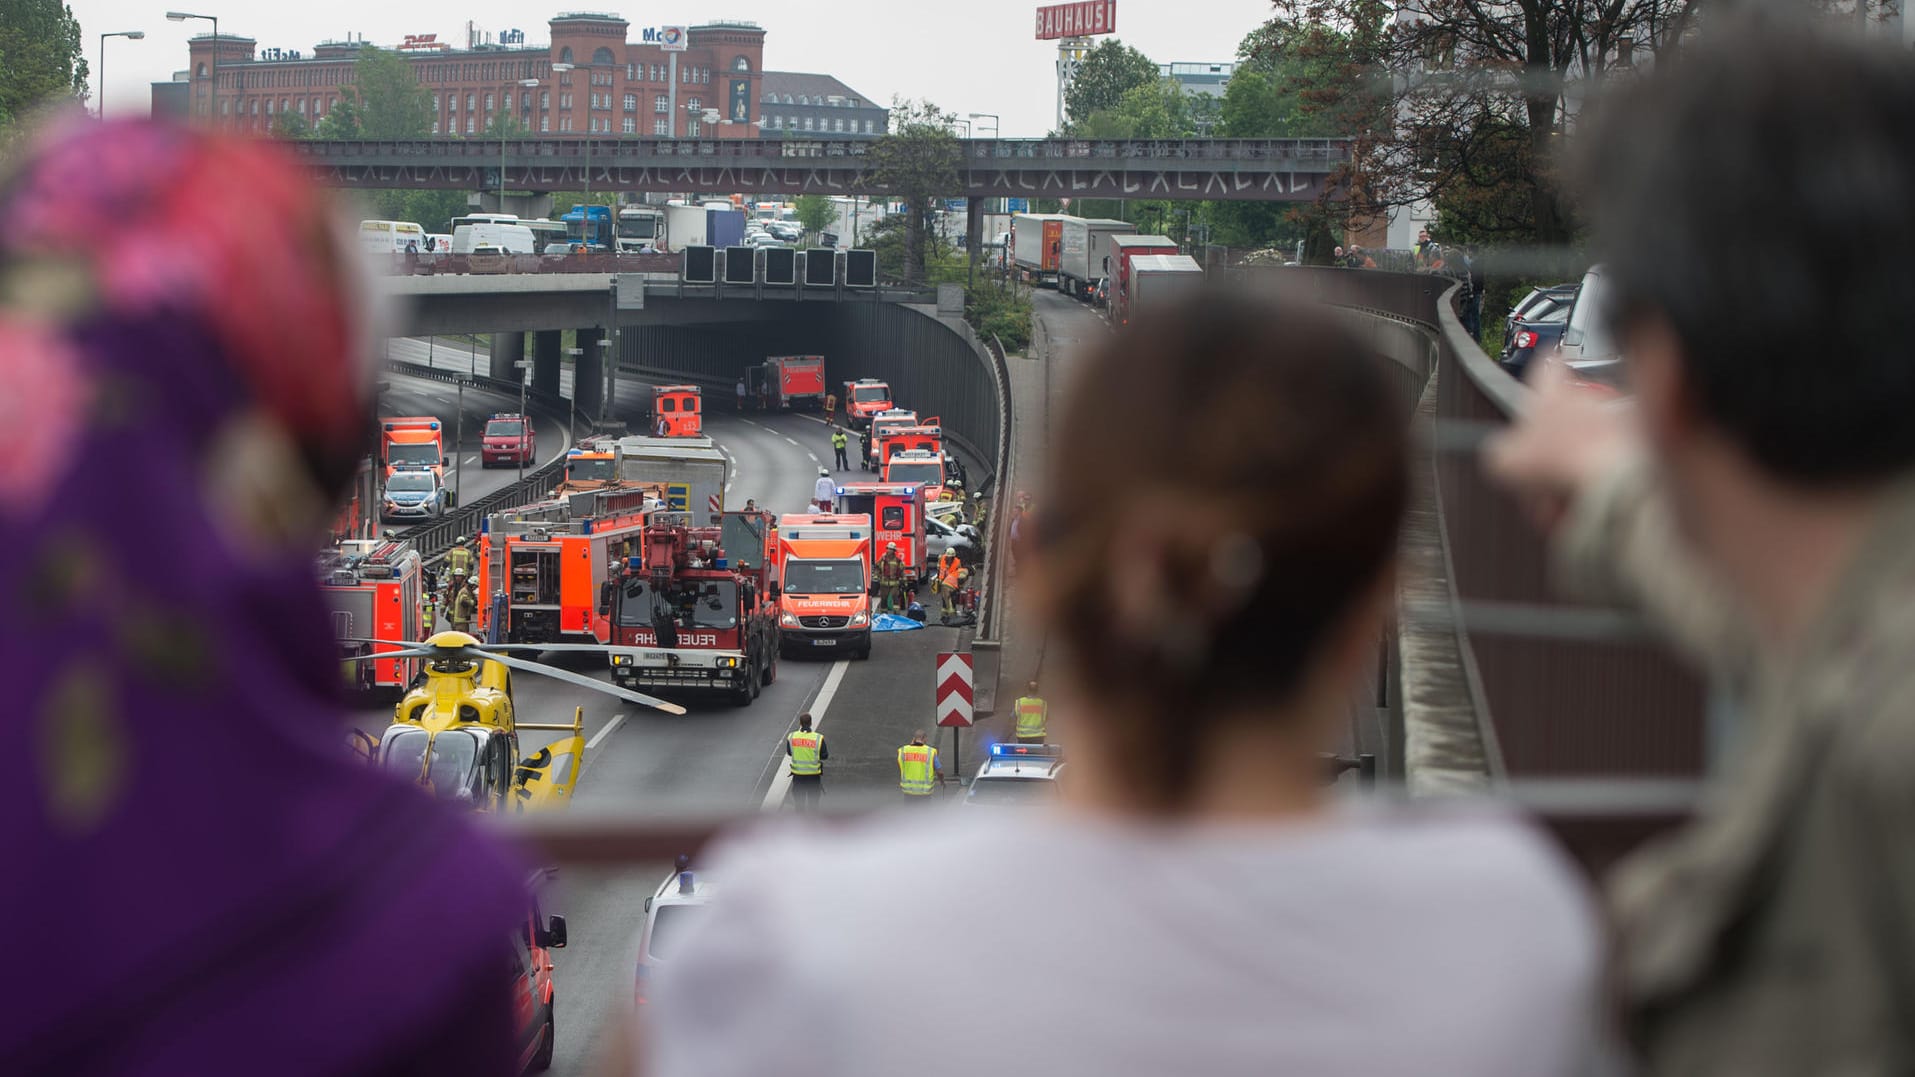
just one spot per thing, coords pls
(693, 470)
(1037, 241)
(1085, 252)
(1158, 279)
(685, 226)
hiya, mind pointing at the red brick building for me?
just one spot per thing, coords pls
(616, 86)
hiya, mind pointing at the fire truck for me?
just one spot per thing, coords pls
(549, 560)
(897, 516)
(375, 589)
(694, 608)
(789, 381)
(591, 465)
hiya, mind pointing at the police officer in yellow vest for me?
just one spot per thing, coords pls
(808, 754)
(459, 564)
(1031, 712)
(918, 769)
(838, 442)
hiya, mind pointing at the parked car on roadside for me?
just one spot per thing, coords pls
(1538, 303)
(1528, 338)
(1589, 347)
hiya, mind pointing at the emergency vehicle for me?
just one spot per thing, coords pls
(375, 589)
(896, 511)
(882, 425)
(824, 583)
(926, 436)
(414, 492)
(919, 468)
(674, 908)
(550, 560)
(1016, 776)
(507, 439)
(693, 612)
(534, 997)
(677, 411)
(864, 399)
(789, 381)
(591, 465)
(416, 440)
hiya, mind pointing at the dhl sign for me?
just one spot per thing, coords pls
(1077, 20)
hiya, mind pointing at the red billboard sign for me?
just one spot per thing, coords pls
(1077, 20)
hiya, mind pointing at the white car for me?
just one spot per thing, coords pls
(940, 536)
(1015, 776)
(677, 906)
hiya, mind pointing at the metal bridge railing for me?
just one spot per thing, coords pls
(1307, 153)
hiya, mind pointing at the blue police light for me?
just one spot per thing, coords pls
(432, 426)
(721, 562)
(636, 564)
(684, 882)
(389, 426)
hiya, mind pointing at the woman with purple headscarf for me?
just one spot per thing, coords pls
(207, 881)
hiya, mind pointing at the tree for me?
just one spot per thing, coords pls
(392, 102)
(41, 57)
(917, 160)
(1106, 74)
(814, 211)
(340, 121)
(291, 126)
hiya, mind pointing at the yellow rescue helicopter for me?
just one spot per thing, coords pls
(456, 734)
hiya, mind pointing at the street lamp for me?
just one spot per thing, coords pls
(130, 35)
(504, 115)
(212, 103)
(967, 126)
(991, 116)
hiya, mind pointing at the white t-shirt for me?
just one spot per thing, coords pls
(825, 490)
(1371, 941)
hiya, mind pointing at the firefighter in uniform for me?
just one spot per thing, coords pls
(465, 607)
(947, 581)
(890, 577)
(838, 442)
(459, 563)
(1031, 711)
(831, 406)
(918, 769)
(808, 754)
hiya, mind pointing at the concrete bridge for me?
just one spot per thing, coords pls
(1262, 170)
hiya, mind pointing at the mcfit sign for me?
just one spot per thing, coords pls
(1077, 20)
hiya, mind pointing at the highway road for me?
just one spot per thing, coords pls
(717, 755)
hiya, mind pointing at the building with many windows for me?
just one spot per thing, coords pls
(616, 86)
(795, 104)
(1199, 78)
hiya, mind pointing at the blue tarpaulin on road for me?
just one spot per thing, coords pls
(891, 622)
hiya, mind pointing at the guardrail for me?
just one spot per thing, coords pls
(993, 551)
(433, 263)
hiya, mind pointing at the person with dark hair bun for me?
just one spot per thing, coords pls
(1212, 567)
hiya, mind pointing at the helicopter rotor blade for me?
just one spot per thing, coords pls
(568, 677)
(384, 642)
(557, 648)
(416, 652)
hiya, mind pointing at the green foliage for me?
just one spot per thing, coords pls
(392, 101)
(291, 126)
(340, 121)
(1109, 71)
(918, 161)
(1002, 310)
(814, 212)
(41, 57)
(503, 125)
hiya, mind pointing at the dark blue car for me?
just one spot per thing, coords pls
(1535, 326)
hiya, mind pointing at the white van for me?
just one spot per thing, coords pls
(391, 237)
(493, 239)
(439, 242)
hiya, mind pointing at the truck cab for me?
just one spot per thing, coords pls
(824, 584)
(864, 399)
(678, 411)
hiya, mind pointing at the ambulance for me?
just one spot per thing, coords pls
(823, 585)
(677, 411)
(897, 515)
(412, 440)
(375, 589)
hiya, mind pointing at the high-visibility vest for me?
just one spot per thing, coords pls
(459, 561)
(838, 440)
(948, 568)
(1031, 712)
(804, 753)
(917, 768)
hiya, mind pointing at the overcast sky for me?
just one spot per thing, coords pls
(965, 55)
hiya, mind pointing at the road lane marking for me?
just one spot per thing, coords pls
(791, 441)
(814, 459)
(599, 737)
(471, 459)
(780, 782)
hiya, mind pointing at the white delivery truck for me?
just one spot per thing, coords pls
(1086, 249)
(493, 239)
(685, 226)
(1037, 241)
(1158, 279)
(693, 470)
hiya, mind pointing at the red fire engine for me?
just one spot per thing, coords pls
(550, 559)
(694, 610)
(375, 589)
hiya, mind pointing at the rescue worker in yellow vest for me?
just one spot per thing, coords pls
(1032, 713)
(918, 769)
(459, 563)
(838, 442)
(890, 577)
(465, 607)
(808, 754)
(948, 581)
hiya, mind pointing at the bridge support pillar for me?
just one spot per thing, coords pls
(545, 362)
(973, 233)
(588, 375)
(508, 351)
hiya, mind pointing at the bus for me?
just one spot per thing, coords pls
(391, 237)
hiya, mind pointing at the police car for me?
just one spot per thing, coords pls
(1016, 775)
(414, 493)
(676, 907)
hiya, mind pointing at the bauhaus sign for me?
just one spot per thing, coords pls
(1077, 20)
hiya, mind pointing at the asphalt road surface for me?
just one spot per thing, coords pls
(717, 755)
(466, 476)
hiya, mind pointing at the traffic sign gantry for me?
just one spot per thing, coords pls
(954, 680)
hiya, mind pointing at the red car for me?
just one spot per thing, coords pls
(508, 439)
(533, 999)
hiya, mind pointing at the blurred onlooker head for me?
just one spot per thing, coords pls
(1257, 592)
(1788, 340)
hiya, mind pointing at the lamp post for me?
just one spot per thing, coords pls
(130, 35)
(967, 126)
(991, 116)
(571, 422)
(505, 114)
(212, 102)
